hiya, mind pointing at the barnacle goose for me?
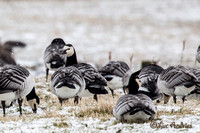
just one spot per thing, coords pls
(198, 54)
(137, 106)
(6, 52)
(113, 72)
(95, 82)
(178, 81)
(16, 83)
(67, 82)
(53, 59)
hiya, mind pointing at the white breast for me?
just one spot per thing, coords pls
(66, 92)
(182, 90)
(115, 83)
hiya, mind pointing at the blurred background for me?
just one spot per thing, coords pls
(151, 30)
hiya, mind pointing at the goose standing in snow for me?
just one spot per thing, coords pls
(52, 57)
(178, 81)
(137, 106)
(95, 82)
(6, 52)
(113, 72)
(16, 83)
(67, 82)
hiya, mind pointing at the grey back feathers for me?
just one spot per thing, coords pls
(149, 73)
(118, 68)
(180, 75)
(178, 81)
(52, 54)
(67, 77)
(90, 73)
(134, 108)
(16, 83)
(6, 52)
(16, 78)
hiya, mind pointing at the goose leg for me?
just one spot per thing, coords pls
(3, 103)
(47, 73)
(174, 98)
(20, 105)
(76, 100)
(112, 92)
(183, 98)
(95, 97)
(60, 100)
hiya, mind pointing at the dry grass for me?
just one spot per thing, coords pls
(102, 109)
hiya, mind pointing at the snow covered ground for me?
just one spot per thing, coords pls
(148, 29)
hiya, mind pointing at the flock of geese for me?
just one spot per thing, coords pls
(72, 79)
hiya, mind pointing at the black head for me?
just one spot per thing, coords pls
(133, 84)
(151, 90)
(70, 52)
(33, 100)
(58, 41)
(198, 48)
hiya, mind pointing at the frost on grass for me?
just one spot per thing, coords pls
(92, 116)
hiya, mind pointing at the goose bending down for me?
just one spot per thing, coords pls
(16, 83)
(137, 106)
(52, 57)
(178, 81)
(95, 82)
(114, 72)
(67, 82)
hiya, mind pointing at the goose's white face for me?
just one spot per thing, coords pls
(69, 50)
(33, 104)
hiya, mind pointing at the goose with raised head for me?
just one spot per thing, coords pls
(53, 59)
(95, 82)
(6, 52)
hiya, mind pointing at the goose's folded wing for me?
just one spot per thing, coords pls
(129, 103)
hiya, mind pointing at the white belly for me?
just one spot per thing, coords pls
(9, 96)
(139, 116)
(86, 93)
(182, 90)
(66, 92)
(7, 102)
(115, 83)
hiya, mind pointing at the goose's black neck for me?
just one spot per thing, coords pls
(152, 91)
(133, 85)
(32, 95)
(71, 60)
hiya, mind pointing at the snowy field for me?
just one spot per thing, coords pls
(148, 29)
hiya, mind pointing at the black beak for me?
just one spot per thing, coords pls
(35, 109)
(62, 51)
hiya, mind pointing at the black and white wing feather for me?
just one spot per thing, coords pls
(134, 107)
(95, 82)
(53, 57)
(16, 79)
(149, 73)
(67, 82)
(118, 68)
